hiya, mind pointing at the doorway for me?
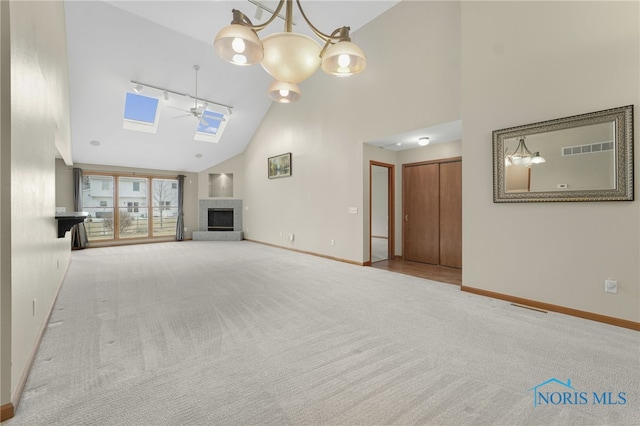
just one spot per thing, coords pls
(381, 211)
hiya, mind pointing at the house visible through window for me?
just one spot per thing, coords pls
(142, 206)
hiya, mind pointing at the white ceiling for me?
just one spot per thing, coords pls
(441, 133)
(158, 42)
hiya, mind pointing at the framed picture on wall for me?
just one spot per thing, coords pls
(279, 166)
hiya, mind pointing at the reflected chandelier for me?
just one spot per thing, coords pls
(288, 57)
(521, 156)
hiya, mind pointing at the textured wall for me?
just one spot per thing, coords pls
(39, 126)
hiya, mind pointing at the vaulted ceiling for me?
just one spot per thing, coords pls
(111, 43)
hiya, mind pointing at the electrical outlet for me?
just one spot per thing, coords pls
(291, 238)
(333, 242)
(610, 286)
(280, 234)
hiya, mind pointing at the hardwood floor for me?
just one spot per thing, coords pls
(443, 274)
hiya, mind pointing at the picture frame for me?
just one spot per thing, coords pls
(279, 166)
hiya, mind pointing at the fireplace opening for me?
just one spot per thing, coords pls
(220, 220)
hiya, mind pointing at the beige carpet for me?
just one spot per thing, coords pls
(237, 333)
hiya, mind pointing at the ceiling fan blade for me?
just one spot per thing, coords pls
(182, 116)
(203, 121)
(174, 107)
(202, 107)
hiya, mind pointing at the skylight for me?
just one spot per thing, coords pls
(211, 132)
(140, 113)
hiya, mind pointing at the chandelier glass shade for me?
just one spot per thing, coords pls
(239, 45)
(522, 156)
(343, 59)
(288, 57)
(284, 93)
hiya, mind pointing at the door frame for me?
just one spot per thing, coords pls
(391, 193)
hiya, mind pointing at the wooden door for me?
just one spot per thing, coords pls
(421, 213)
(451, 214)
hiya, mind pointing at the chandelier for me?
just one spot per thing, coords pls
(522, 156)
(287, 56)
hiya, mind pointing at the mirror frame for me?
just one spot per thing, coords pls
(623, 118)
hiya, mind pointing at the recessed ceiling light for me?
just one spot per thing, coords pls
(94, 143)
(424, 140)
(398, 143)
(198, 155)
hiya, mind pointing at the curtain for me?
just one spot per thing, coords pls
(78, 231)
(180, 222)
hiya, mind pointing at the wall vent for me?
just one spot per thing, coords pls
(587, 149)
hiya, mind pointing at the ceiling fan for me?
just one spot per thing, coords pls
(197, 111)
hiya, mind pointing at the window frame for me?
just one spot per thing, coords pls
(134, 207)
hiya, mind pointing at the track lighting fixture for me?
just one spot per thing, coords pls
(139, 86)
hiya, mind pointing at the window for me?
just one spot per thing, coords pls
(211, 132)
(97, 200)
(165, 206)
(140, 113)
(142, 206)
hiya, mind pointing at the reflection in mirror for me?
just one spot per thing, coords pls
(580, 158)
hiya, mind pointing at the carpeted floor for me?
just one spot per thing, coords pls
(230, 333)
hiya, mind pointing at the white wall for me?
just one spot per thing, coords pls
(39, 122)
(5, 206)
(525, 62)
(413, 55)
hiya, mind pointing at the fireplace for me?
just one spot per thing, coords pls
(220, 219)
